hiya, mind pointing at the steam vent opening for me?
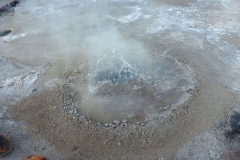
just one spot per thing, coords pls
(121, 87)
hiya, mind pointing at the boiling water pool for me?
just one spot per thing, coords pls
(120, 89)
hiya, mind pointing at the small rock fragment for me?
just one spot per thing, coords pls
(68, 102)
(77, 71)
(119, 144)
(5, 145)
(74, 111)
(81, 118)
(6, 31)
(14, 3)
(31, 157)
(106, 124)
(73, 93)
(165, 108)
(35, 89)
(116, 122)
(77, 104)
(124, 121)
(124, 124)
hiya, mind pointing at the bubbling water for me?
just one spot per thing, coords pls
(118, 89)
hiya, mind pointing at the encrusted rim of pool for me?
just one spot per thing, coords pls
(108, 79)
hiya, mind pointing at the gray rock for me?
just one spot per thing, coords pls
(106, 124)
(165, 108)
(124, 121)
(68, 102)
(76, 71)
(74, 111)
(73, 93)
(116, 122)
(81, 118)
(77, 104)
(35, 89)
(124, 124)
